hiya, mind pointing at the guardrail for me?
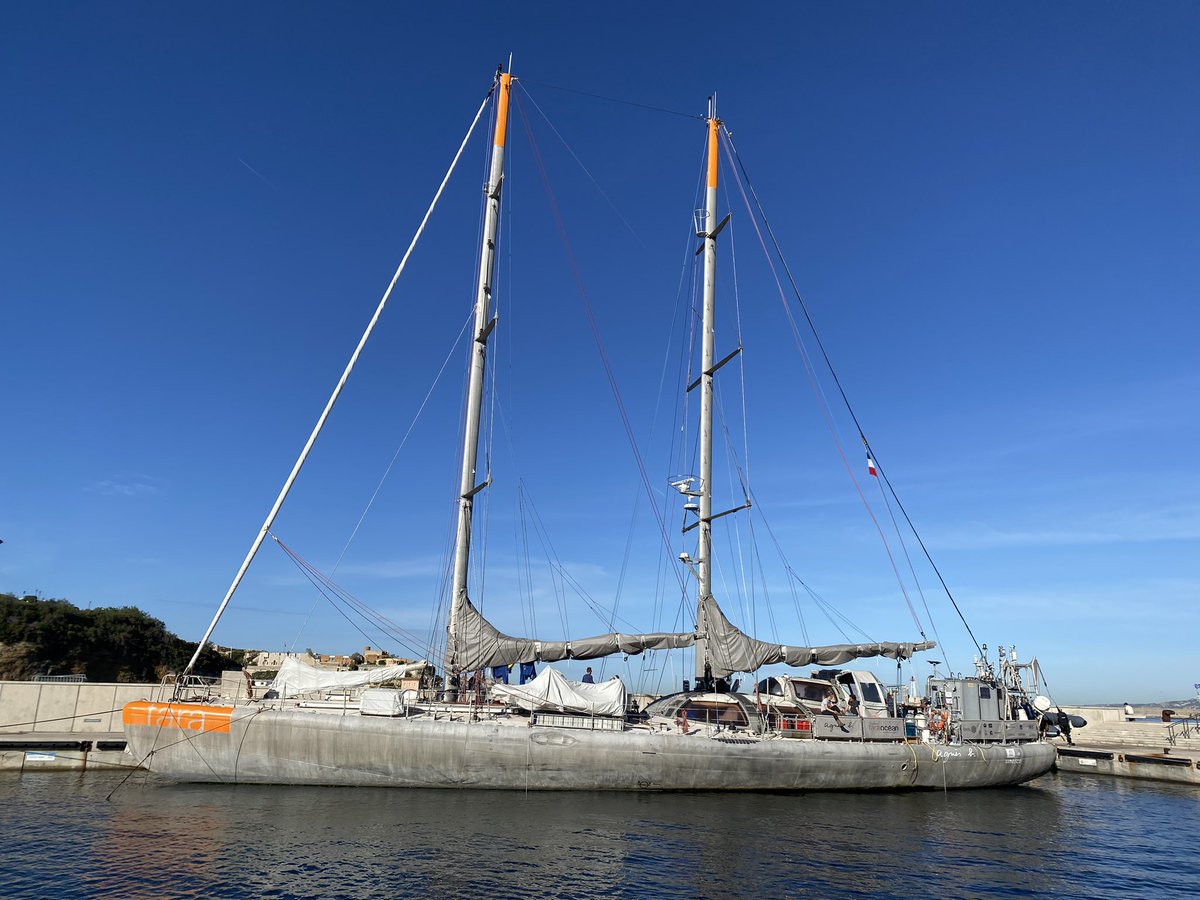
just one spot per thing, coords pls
(1182, 729)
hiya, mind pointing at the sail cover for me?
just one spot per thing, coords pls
(295, 677)
(551, 691)
(479, 645)
(731, 650)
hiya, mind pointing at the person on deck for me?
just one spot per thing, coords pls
(587, 676)
(829, 707)
(1064, 726)
(1128, 713)
(852, 705)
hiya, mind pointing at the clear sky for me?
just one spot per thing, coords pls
(992, 212)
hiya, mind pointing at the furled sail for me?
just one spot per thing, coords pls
(730, 650)
(478, 644)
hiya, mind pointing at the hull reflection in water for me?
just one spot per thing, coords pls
(1082, 836)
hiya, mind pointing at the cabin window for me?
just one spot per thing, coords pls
(870, 692)
(715, 713)
(985, 693)
(665, 706)
(806, 690)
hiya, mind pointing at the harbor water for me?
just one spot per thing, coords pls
(1064, 835)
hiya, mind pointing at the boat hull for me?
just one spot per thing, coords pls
(254, 745)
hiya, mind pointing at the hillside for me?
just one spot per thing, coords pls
(54, 637)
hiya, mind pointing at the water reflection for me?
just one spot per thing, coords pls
(1064, 835)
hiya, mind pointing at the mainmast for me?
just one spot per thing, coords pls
(478, 357)
(709, 234)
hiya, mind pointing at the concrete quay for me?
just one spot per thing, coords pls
(1145, 750)
(41, 751)
(66, 726)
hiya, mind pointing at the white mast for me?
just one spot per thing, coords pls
(704, 551)
(478, 357)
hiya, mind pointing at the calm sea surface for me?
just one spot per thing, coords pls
(1064, 835)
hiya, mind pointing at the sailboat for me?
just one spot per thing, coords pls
(556, 734)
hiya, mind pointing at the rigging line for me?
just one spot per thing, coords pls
(831, 611)
(366, 612)
(924, 550)
(733, 535)
(633, 514)
(821, 602)
(756, 556)
(557, 568)
(287, 485)
(813, 382)
(524, 570)
(732, 150)
(477, 560)
(376, 620)
(917, 581)
(595, 328)
(661, 109)
(101, 712)
(606, 616)
(685, 269)
(387, 471)
(624, 221)
(383, 627)
(637, 237)
(762, 575)
(743, 474)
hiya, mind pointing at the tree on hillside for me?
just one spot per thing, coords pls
(54, 637)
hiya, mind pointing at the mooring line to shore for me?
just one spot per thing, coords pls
(35, 722)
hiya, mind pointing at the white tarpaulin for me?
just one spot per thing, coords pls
(381, 702)
(551, 691)
(296, 678)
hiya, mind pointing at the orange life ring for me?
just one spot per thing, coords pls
(937, 720)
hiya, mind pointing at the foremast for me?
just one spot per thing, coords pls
(704, 548)
(468, 486)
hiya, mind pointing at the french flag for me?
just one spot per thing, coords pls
(871, 466)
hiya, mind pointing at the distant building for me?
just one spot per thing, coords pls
(271, 659)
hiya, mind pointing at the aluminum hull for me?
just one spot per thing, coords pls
(268, 746)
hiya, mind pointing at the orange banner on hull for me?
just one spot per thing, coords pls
(185, 716)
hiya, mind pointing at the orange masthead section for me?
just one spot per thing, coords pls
(713, 129)
(185, 716)
(502, 108)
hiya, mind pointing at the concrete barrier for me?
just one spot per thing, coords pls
(53, 706)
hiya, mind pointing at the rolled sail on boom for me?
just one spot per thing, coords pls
(731, 650)
(480, 645)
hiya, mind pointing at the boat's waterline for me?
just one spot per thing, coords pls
(253, 744)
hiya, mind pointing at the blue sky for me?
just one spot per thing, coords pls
(992, 214)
